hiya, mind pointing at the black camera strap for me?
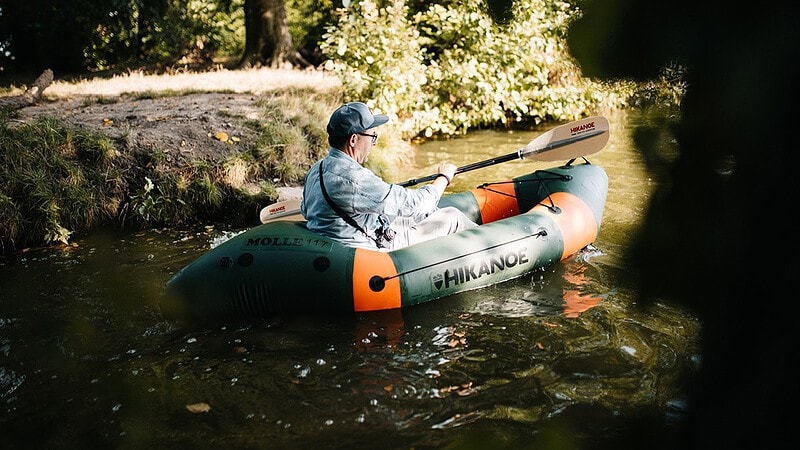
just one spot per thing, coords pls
(341, 213)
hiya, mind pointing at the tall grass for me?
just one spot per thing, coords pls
(54, 180)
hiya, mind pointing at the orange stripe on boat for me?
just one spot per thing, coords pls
(496, 201)
(366, 265)
(576, 221)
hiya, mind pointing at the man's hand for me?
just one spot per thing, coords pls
(448, 170)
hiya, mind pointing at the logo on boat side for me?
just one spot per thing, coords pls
(288, 243)
(274, 241)
(580, 129)
(285, 243)
(465, 273)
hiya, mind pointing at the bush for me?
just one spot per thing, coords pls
(451, 67)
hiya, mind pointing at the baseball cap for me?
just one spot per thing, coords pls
(352, 118)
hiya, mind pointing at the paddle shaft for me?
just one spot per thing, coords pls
(466, 168)
(536, 147)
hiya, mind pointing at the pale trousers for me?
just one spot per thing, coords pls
(413, 230)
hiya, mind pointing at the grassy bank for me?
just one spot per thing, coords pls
(60, 178)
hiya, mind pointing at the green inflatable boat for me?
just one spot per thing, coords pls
(527, 223)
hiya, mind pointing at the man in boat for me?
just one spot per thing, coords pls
(347, 202)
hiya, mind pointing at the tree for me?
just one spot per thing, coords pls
(267, 38)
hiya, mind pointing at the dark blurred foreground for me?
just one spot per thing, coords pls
(723, 215)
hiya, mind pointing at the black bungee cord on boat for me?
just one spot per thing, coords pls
(377, 282)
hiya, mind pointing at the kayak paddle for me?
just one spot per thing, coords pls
(573, 140)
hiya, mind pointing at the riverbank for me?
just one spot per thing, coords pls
(157, 150)
(187, 116)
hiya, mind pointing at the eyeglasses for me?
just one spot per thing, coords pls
(373, 136)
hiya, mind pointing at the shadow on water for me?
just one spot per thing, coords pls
(560, 358)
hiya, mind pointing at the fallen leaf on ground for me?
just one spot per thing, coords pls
(198, 408)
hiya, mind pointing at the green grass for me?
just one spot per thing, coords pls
(56, 181)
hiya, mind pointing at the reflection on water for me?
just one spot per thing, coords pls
(538, 298)
(578, 296)
(562, 356)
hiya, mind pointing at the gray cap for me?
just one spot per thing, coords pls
(353, 118)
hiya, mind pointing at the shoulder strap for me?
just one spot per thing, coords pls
(339, 211)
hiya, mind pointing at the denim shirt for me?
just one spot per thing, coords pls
(362, 195)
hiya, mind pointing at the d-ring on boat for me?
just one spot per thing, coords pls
(526, 223)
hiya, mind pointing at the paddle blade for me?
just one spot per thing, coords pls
(286, 210)
(573, 140)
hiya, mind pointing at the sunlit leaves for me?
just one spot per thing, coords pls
(449, 67)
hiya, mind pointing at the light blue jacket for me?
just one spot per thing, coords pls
(361, 194)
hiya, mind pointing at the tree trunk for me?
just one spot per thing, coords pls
(267, 38)
(32, 95)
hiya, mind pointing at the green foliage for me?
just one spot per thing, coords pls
(177, 197)
(307, 21)
(449, 67)
(160, 203)
(377, 54)
(141, 32)
(165, 196)
(98, 35)
(93, 35)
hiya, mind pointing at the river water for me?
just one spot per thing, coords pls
(561, 358)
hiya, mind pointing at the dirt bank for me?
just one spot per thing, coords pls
(187, 116)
